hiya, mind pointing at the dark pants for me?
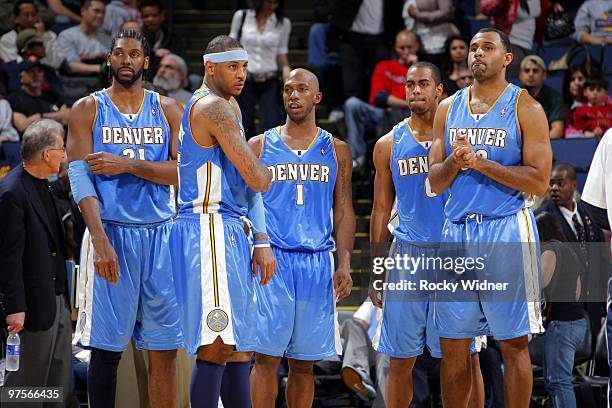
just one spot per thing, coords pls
(267, 93)
(359, 54)
(46, 359)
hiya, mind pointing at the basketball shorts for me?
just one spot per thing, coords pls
(211, 259)
(296, 314)
(407, 325)
(142, 304)
(508, 305)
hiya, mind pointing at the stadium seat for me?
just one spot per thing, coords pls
(578, 152)
(552, 53)
(12, 153)
(555, 82)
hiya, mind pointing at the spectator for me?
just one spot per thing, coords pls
(171, 78)
(432, 22)
(6, 12)
(161, 41)
(26, 16)
(388, 91)
(7, 131)
(131, 25)
(532, 76)
(264, 33)
(465, 78)
(30, 43)
(324, 58)
(32, 262)
(85, 45)
(456, 56)
(116, 12)
(359, 356)
(578, 227)
(566, 326)
(573, 97)
(592, 23)
(31, 103)
(365, 29)
(522, 34)
(594, 117)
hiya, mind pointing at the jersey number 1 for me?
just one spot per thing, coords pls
(128, 152)
(299, 194)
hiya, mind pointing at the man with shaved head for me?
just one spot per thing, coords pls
(311, 183)
(386, 92)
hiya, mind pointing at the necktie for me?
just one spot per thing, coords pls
(581, 235)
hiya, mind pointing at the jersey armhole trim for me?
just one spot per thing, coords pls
(450, 106)
(161, 108)
(189, 122)
(262, 145)
(518, 123)
(95, 118)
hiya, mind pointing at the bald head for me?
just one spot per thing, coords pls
(406, 35)
(300, 96)
(304, 75)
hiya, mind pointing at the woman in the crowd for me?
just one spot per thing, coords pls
(264, 32)
(566, 325)
(456, 53)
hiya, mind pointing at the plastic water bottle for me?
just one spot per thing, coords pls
(13, 349)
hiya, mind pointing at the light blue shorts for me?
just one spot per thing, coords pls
(211, 259)
(510, 249)
(296, 310)
(142, 304)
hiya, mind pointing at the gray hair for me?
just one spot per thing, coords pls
(182, 65)
(38, 137)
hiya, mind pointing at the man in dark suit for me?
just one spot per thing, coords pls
(580, 229)
(32, 262)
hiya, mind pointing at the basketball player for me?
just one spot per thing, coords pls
(218, 175)
(122, 150)
(309, 214)
(490, 146)
(400, 158)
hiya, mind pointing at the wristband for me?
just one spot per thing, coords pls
(81, 180)
(261, 244)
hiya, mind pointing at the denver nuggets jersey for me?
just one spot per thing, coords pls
(420, 211)
(299, 204)
(208, 181)
(494, 135)
(144, 135)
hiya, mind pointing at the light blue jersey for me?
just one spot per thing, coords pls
(415, 200)
(145, 135)
(299, 210)
(209, 182)
(407, 324)
(136, 219)
(210, 250)
(494, 135)
(299, 204)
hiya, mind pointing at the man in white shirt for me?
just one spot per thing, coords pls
(597, 196)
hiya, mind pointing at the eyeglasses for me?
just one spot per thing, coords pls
(63, 149)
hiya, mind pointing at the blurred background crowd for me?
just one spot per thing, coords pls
(53, 52)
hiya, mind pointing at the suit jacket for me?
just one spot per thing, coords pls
(29, 255)
(597, 262)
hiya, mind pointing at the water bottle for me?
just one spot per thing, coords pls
(13, 349)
